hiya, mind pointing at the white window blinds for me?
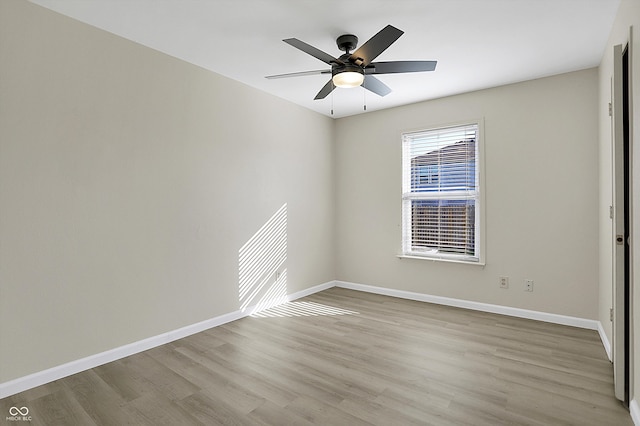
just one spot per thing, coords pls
(440, 186)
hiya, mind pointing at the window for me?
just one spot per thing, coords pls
(441, 193)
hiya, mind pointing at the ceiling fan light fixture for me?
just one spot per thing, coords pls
(348, 79)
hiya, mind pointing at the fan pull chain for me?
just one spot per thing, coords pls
(332, 102)
(364, 94)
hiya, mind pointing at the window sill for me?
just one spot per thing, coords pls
(441, 259)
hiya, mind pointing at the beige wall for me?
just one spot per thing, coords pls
(628, 16)
(541, 162)
(129, 180)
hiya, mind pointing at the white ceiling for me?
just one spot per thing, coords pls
(477, 43)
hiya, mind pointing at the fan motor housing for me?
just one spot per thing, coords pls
(340, 68)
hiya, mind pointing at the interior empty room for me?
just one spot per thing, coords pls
(184, 241)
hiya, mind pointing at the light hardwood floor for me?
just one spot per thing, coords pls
(342, 357)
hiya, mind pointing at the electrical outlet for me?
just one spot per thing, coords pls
(528, 285)
(504, 282)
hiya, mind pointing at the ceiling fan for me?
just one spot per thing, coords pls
(357, 68)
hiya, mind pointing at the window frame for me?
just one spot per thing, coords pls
(406, 197)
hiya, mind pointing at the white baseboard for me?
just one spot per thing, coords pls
(634, 409)
(21, 384)
(476, 306)
(36, 379)
(42, 377)
(605, 340)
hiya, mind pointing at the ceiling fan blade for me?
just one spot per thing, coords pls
(375, 45)
(316, 53)
(328, 88)
(376, 86)
(299, 74)
(400, 66)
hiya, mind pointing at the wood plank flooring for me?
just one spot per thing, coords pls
(341, 357)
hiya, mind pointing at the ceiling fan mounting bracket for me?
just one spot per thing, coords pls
(347, 42)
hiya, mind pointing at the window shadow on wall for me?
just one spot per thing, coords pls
(261, 265)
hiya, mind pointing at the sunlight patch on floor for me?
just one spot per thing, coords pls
(301, 309)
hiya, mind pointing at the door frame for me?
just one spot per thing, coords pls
(622, 222)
